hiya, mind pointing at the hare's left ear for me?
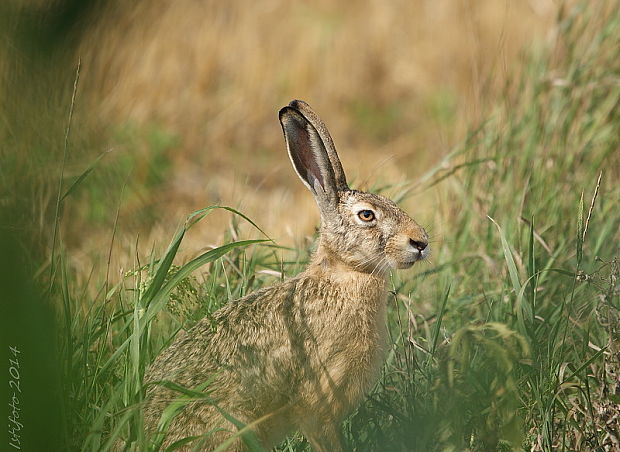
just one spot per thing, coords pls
(310, 156)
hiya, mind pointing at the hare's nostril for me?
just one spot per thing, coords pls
(421, 246)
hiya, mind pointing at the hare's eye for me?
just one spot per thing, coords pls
(366, 215)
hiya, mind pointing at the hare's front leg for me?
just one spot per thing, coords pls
(323, 437)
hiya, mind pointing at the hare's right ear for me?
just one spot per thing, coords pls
(311, 158)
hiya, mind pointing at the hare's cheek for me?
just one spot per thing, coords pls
(394, 252)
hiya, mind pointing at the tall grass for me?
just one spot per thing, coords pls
(528, 354)
(507, 340)
(165, 86)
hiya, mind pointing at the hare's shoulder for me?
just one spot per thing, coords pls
(255, 304)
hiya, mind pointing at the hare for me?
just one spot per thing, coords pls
(299, 355)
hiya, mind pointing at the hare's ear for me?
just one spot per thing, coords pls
(310, 157)
(313, 118)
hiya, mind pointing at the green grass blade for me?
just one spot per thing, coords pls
(159, 299)
(169, 255)
(585, 364)
(437, 327)
(580, 231)
(245, 432)
(531, 262)
(163, 268)
(510, 262)
(83, 176)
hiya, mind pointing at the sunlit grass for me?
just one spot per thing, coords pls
(507, 340)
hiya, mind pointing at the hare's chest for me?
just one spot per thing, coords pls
(351, 354)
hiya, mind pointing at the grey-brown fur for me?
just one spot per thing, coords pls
(301, 354)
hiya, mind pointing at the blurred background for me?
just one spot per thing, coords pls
(176, 106)
(119, 119)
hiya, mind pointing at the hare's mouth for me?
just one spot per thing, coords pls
(415, 256)
(408, 264)
(402, 265)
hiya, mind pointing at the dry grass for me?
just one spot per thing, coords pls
(185, 94)
(508, 337)
(397, 86)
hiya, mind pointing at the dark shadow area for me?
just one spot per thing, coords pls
(31, 385)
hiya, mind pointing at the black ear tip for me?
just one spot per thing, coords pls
(287, 111)
(283, 111)
(297, 104)
(296, 107)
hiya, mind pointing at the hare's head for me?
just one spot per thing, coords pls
(367, 232)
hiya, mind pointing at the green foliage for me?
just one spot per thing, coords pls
(508, 340)
(137, 162)
(109, 346)
(525, 357)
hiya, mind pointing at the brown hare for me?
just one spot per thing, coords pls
(302, 354)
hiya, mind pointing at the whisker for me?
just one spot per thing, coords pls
(381, 265)
(365, 262)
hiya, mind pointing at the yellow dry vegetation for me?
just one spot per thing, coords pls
(398, 83)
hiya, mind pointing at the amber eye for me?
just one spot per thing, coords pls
(366, 215)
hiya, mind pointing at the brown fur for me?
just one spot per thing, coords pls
(301, 354)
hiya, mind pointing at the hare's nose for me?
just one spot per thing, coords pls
(419, 245)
